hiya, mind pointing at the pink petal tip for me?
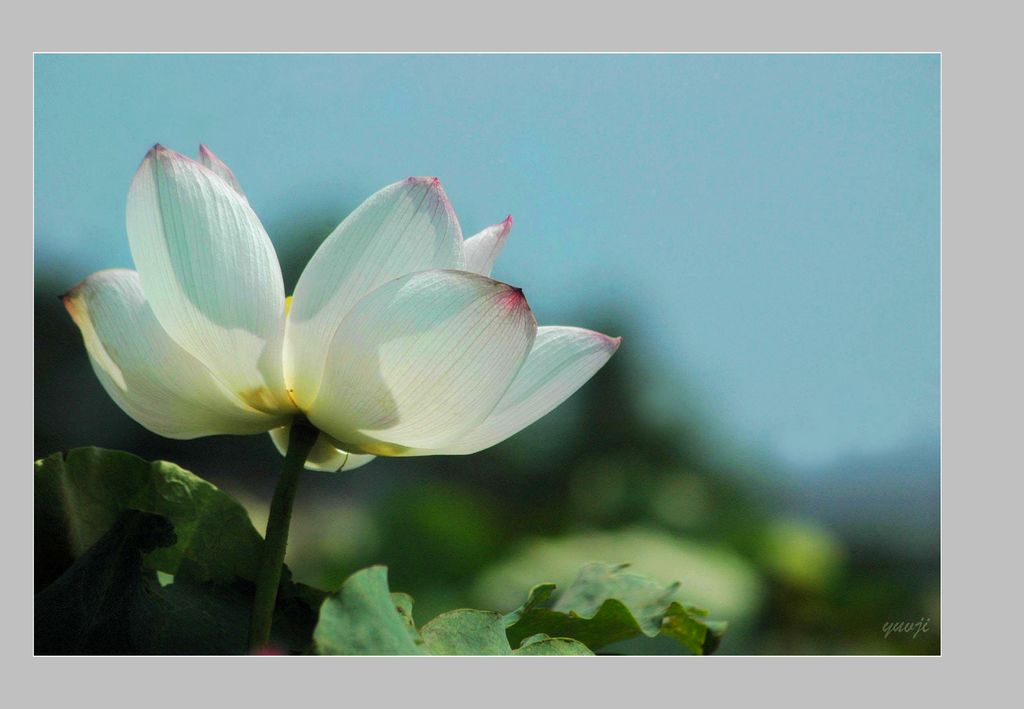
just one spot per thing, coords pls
(436, 192)
(159, 151)
(513, 298)
(429, 181)
(506, 227)
(612, 342)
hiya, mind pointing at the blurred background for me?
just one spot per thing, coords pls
(762, 231)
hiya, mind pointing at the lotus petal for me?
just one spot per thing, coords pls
(210, 274)
(152, 378)
(407, 227)
(421, 361)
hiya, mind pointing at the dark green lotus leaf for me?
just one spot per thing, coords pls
(79, 497)
(107, 602)
(97, 561)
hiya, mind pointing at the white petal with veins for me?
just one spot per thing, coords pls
(561, 361)
(422, 360)
(407, 227)
(145, 372)
(482, 249)
(210, 274)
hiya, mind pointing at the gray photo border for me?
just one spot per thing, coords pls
(980, 338)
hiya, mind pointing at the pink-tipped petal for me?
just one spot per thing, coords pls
(210, 274)
(421, 361)
(213, 163)
(561, 361)
(404, 228)
(482, 249)
(437, 198)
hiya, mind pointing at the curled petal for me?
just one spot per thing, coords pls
(561, 361)
(421, 361)
(210, 274)
(407, 227)
(147, 374)
(482, 249)
(325, 456)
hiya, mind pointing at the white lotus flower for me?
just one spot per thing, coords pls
(396, 342)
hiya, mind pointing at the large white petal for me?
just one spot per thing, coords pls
(325, 456)
(482, 249)
(421, 361)
(407, 227)
(145, 372)
(210, 274)
(561, 361)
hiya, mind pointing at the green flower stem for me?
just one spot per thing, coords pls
(300, 442)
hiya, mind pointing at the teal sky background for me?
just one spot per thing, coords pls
(771, 221)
